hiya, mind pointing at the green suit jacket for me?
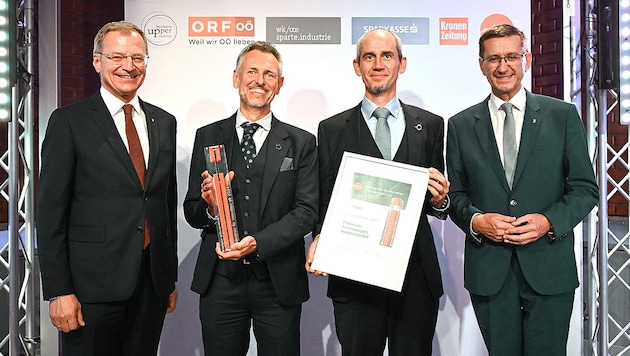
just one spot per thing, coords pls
(554, 177)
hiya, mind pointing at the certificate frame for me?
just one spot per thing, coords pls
(371, 222)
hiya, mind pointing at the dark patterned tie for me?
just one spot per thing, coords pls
(137, 156)
(509, 144)
(382, 136)
(248, 147)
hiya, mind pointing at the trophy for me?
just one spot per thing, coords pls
(227, 229)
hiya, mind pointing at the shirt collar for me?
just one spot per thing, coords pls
(517, 100)
(114, 105)
(264, 122)
(368, 107)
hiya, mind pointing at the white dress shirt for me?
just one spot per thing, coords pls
(114, 105)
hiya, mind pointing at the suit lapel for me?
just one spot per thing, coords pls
(153, 128)
(352, 131)
(531, 127)
(105, 122)
(415, 134)
(488, 142)
(227, 135)
(277, 148)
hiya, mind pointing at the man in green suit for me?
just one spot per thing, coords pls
(519, 213)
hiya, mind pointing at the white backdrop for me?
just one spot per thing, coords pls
(193, 50)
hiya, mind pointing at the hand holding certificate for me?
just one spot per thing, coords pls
(371, 221)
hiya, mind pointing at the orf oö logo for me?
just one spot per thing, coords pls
(159, 28)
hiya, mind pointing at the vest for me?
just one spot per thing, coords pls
(246, 188)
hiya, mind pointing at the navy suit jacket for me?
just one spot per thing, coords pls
(554, 177)
(424, 136)
(91, 206)
(288, 208)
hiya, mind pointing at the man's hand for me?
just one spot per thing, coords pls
(172, 301)
(493, 225)
(526, 229)
(517, 231)
(245, 247)
(65, 313)
(438, 187)
(207, 189)
(310, 256)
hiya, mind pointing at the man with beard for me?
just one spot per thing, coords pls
(367, 316)
(261, 279)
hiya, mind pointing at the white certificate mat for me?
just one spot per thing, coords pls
(371, 221)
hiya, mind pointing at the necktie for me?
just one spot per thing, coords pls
(382, 136)
(137, 157)
(248, 147)
(135, 149)
(509, 144)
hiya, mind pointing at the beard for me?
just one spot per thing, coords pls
(257, 103)
(376, 89)
(254, 104)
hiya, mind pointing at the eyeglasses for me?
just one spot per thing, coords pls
(509, 59)
(138, 60)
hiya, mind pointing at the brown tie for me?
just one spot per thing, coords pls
(137, 157)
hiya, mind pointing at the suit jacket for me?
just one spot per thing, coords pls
(288, 205)
(91, 206)
(424, 139)
(554, 177)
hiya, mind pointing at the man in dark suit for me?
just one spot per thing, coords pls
(366, 316)
(261, 278)
(519, 263)
(106, 228)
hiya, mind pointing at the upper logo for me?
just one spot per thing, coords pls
(159, 28)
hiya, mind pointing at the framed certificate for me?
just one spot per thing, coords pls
(371, 221)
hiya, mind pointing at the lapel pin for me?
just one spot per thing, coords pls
(533, 120)
(418, 127)
(278, 147)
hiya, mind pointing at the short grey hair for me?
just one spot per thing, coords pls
(396, 37)
(263, 46)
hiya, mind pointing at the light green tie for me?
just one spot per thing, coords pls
(509, 144)
(383, 136)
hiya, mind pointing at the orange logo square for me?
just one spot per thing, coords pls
(453, 31)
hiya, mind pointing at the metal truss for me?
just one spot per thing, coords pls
(17, 257)
(607, 263)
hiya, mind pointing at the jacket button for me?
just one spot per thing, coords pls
(247, 197)
(513, 202)
(139, 229)
(248, 181)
